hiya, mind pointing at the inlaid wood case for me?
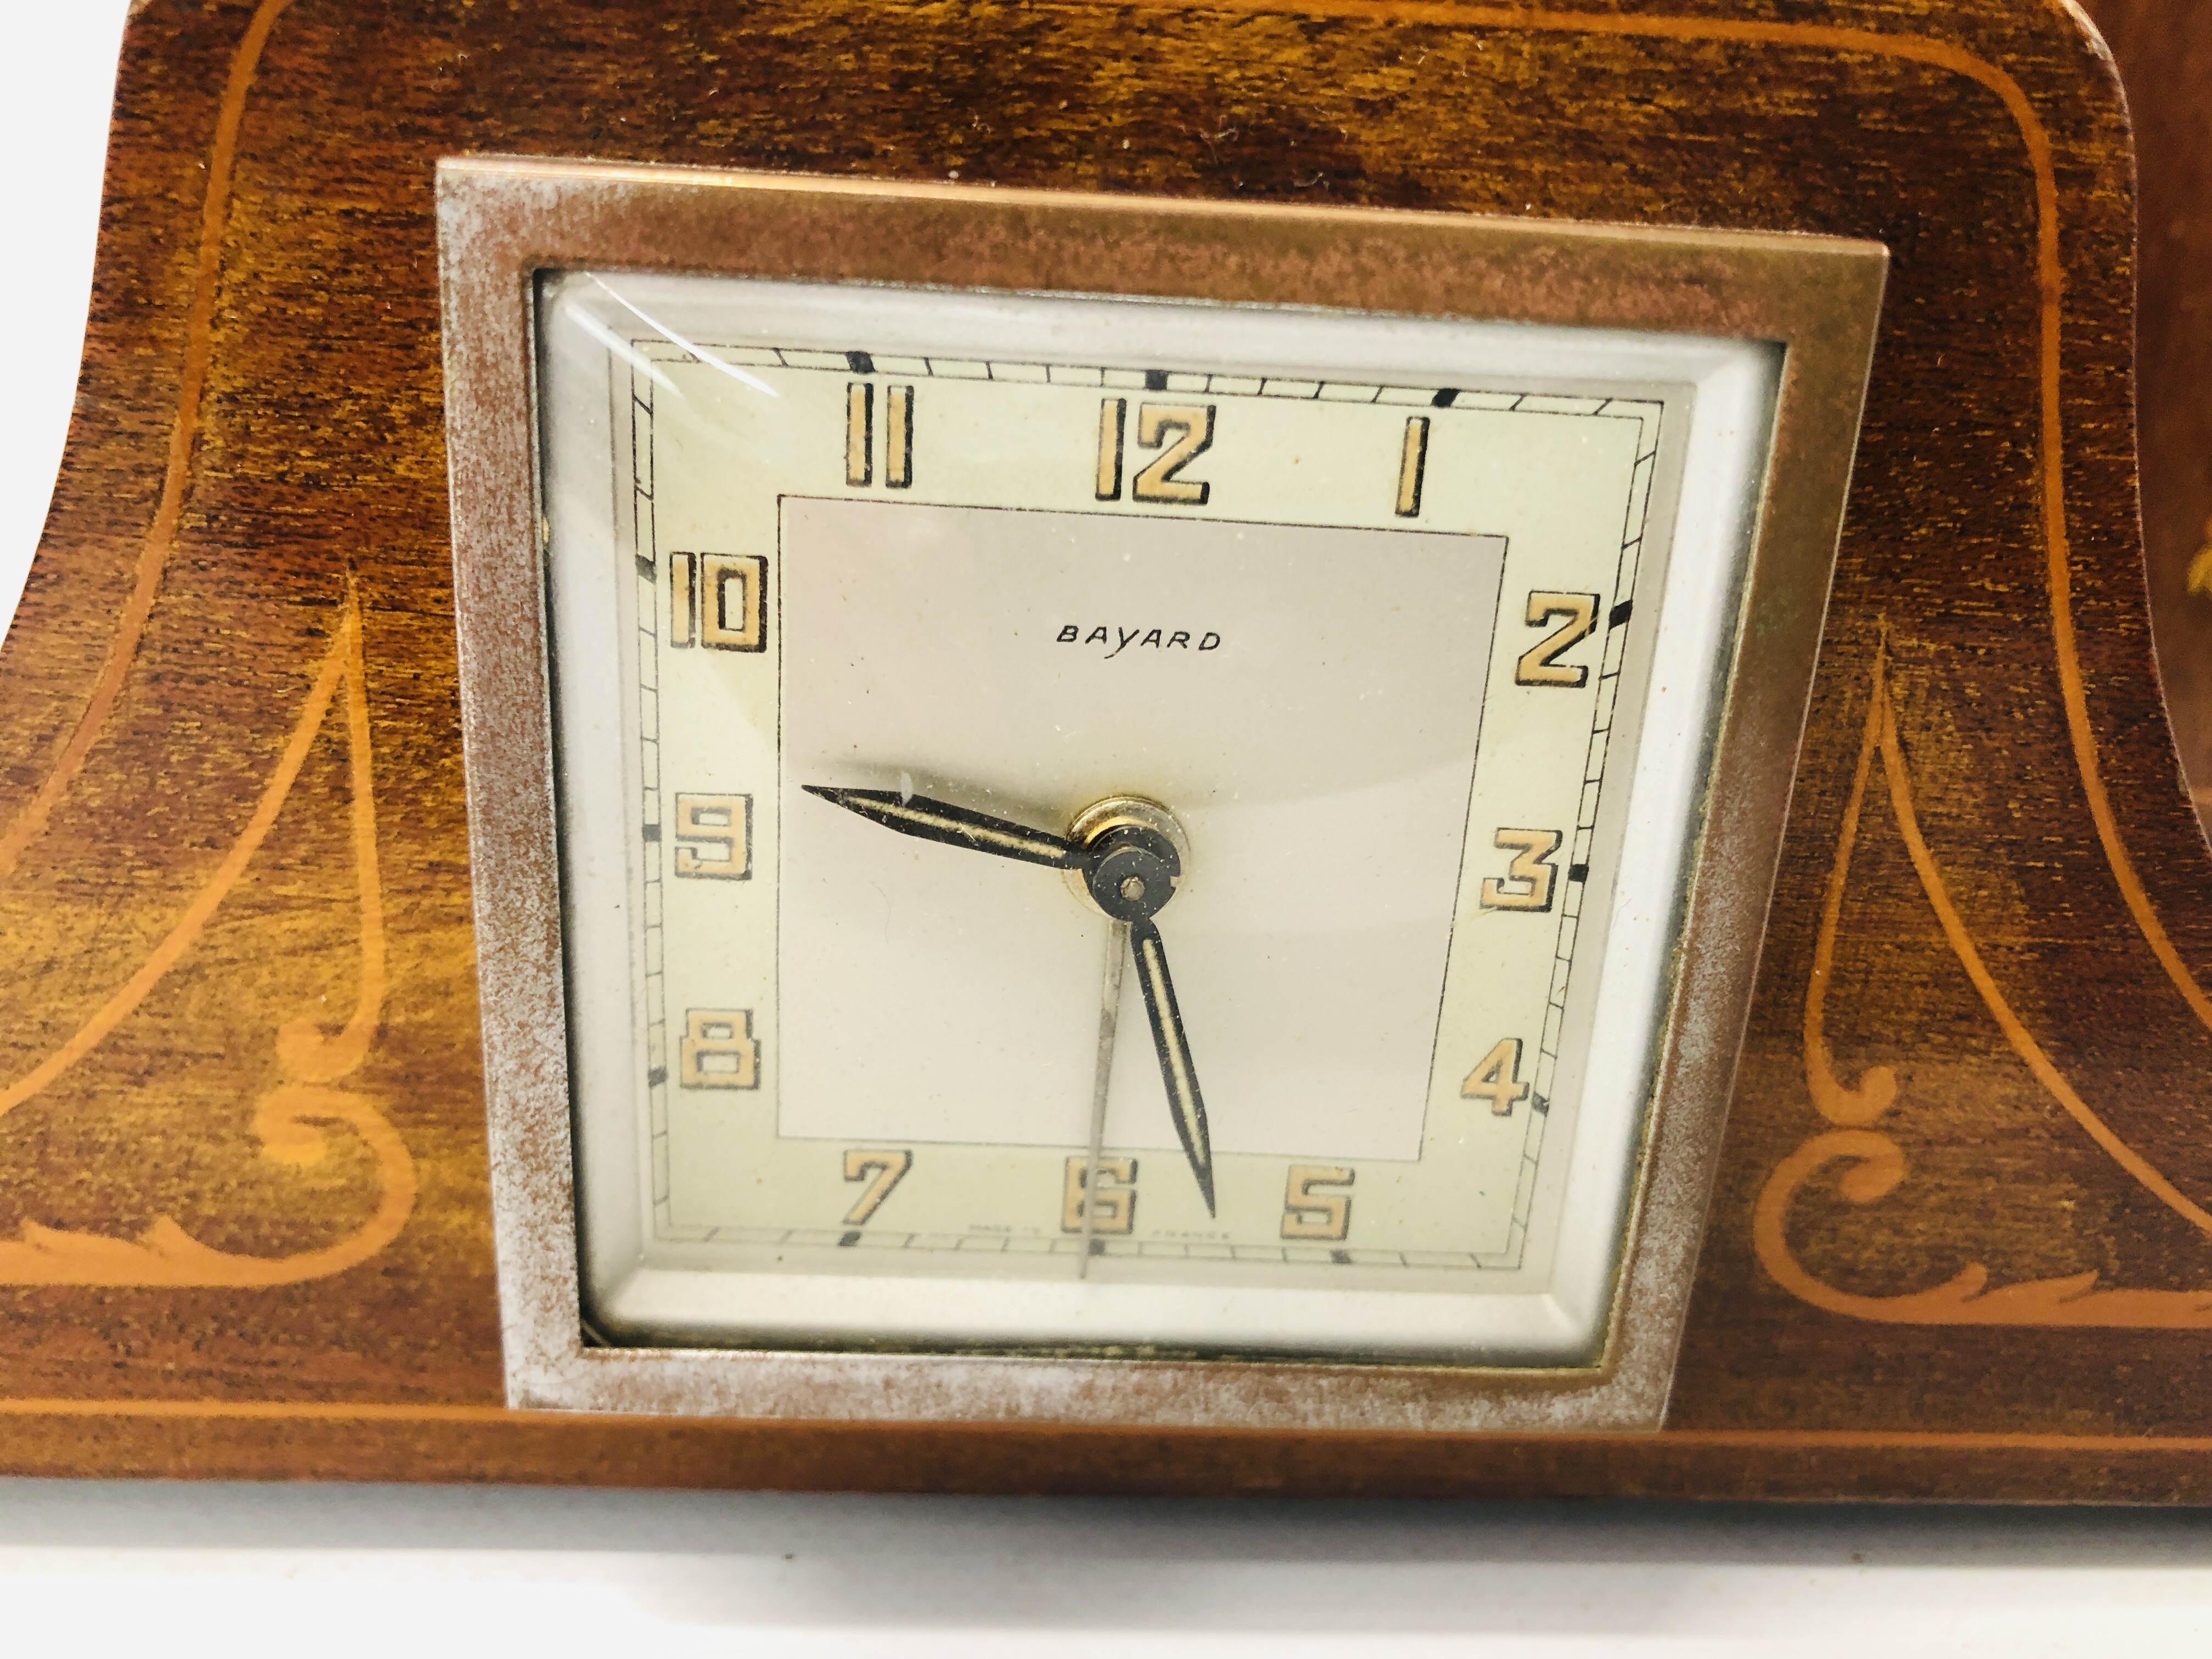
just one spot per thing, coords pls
(1949, 1233)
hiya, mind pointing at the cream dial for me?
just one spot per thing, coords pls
(866, 601)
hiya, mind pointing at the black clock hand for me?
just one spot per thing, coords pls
(1177, 1070)
(955, 826)
(1131, 872)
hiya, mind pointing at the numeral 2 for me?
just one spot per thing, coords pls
(882, 1172)
(1528, 882)
(1539, 664)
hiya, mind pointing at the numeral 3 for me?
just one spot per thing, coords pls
(1528, 882)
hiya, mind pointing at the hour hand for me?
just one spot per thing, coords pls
(956, 826)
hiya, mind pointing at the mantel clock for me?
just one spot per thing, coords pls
(1327, 747)
(1159, 788)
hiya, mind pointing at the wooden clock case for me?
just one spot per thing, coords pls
(1960, 1242)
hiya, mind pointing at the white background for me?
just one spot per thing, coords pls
(98, 1568)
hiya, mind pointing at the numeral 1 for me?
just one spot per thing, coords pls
(898, 437)
(1113, 416)
(1413, 466)
(860, 434)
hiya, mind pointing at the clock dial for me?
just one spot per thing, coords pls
(917, 654)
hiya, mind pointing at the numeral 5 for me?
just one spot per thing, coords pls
(1308, 1212)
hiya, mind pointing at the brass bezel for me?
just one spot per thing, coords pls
(503, 221)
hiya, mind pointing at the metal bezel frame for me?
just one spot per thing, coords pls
(503, 221)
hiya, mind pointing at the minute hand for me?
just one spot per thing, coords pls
(955, 826)
(1177, 1070)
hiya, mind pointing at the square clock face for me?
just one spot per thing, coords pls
(1123, 826)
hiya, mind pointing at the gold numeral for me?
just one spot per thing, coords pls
(718, 1050)
(717, 832)
(882, 1172)
(1497, 1079)
(1308, 1212)
(1413, 465)
(860, 434)
(1539, 664)
(1191, 427)
(1113, 415)
(1528, 882)
(682, 597)
(733, 601)
(1113, 1193)
(898, 437)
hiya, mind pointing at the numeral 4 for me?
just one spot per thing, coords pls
(1497, 1079)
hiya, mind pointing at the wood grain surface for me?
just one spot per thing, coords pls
(1960, 1245)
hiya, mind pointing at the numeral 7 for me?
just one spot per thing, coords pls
(882, 1172)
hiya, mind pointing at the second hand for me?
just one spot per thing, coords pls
(1109, 1013)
